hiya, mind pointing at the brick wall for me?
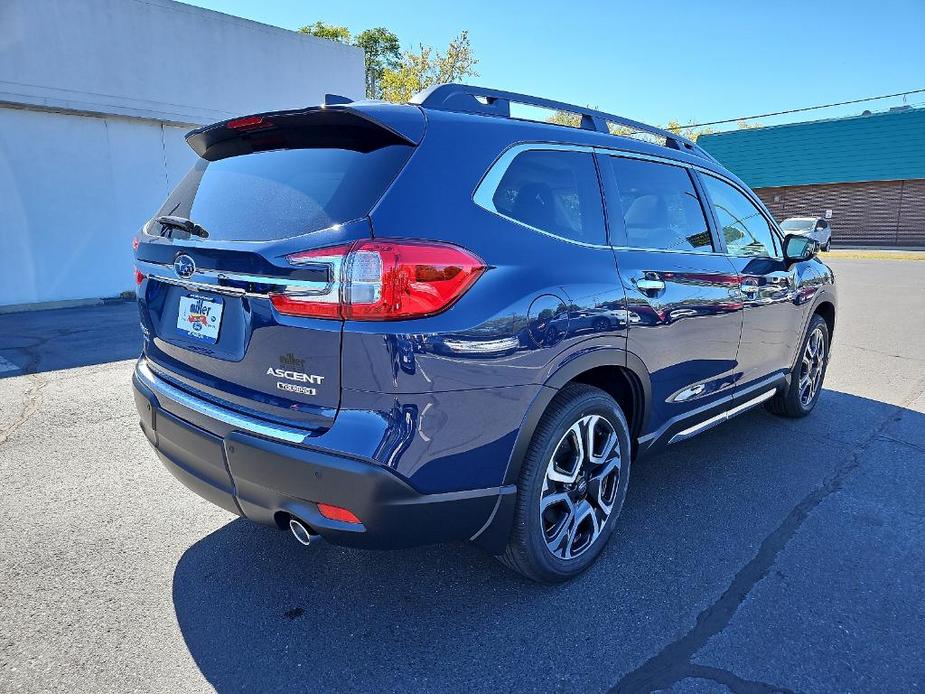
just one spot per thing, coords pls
(877, 213)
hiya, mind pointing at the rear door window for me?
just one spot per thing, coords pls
(554, 191)
(661, 210)
(281, 193)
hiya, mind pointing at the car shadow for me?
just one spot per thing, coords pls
(66, 338)
(260, 613)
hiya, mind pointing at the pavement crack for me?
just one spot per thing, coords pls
(673, 662)
(909, 444)
(733, 682)
(871, 350)
(30, 407)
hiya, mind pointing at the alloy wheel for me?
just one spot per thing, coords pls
(812, 366)
(580, 486)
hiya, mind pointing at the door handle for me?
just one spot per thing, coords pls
(648, 285)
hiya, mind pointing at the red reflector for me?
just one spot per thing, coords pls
(248, 123)
(294, 306)
(139, 276)
(337, 513)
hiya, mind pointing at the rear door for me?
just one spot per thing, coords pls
(262, 191)
(772, 319)
(684, 314)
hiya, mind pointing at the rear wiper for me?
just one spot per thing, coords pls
(184, 224)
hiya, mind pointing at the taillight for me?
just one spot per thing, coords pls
(384, 280)
(139, 276)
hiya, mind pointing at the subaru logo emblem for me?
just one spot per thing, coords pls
(184, 266)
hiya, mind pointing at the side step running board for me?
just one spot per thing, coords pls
(721, 417)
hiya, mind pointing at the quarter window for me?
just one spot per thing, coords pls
(553, 191)
(745, 229)
(661, 209)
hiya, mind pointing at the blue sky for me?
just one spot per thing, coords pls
(685, 60)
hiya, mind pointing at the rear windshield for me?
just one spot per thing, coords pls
(286, 192)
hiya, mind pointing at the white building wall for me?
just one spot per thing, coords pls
(95, 98)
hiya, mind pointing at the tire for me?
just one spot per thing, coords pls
(827, 246)
(599, 482)
(793, 402)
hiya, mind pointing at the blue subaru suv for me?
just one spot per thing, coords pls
(389, 325)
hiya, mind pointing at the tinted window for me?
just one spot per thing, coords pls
(554, 191)
(284, 192)
(745, 229)
(661, 209)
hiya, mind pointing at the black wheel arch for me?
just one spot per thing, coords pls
(573, 368)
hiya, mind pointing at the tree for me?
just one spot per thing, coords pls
(383, 52)
(426, 67)
(691, 133)
(323, 30)
(572, 120)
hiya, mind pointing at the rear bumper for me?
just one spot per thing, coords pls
(252, 469)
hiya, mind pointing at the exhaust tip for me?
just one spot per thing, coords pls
(301, 532)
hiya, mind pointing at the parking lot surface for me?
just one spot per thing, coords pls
(765, 555)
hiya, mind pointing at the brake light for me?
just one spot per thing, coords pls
(384, 280)
(139, 276)
(248, 123)
(337, 513)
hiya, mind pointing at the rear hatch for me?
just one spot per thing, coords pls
(265, 187)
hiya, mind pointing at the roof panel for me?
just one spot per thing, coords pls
(878, 147)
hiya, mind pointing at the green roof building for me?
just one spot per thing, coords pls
(866, 173)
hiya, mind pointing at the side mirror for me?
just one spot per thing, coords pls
(798, 248)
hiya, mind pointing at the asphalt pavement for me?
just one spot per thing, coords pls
(765, 555)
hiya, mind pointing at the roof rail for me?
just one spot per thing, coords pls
(466, 98)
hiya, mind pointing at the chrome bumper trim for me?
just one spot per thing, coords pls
(162, 389)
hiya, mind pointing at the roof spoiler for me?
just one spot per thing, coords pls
(338, 122)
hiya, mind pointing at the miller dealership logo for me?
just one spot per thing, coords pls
(291, 361)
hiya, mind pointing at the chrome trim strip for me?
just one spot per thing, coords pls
(485, 190)
(201, 286)
(721, 417)
(163, 389)
(748, 404)
(302, 287)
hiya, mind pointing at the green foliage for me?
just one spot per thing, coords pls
(383, 52)
(395, 76)
(323, 30)
(691, 133)
(426, 67)
(572, 120)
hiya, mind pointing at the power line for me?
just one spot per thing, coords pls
(801, 110)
